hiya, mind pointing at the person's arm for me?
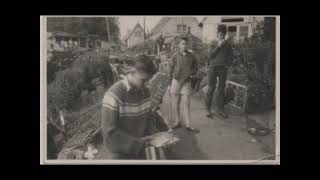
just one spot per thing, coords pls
(118, 140)
(171, 68)
(151, 127)
(195, 66)
(214, 52)
(219, 47)
(230, 54)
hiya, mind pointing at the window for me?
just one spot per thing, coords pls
(184, 28)
(181, 28)
(139, 33)
(244, 31)
(99, 44)
(83, 42)
(232, 31)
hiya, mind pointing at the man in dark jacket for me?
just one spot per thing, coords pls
(220, 57)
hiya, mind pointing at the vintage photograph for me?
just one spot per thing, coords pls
(160, 89)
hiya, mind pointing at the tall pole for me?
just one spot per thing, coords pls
(108, 29)
(144, 29)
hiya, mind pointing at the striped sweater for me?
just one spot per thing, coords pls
(126, 117)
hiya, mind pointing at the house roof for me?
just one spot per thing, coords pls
(202, 21)
(163, 21)
(137, 26)
(160, 24)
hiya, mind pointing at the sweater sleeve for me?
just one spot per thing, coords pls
(214, 52)
(116, 139)
(152, 127)
(230, 54)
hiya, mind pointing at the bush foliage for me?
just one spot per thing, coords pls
(80, 85)
(254, 66)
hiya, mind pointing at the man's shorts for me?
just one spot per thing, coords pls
(180, 89)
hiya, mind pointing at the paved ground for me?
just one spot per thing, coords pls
(225, 139)
(218, 139)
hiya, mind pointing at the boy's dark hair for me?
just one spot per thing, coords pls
(222, 28)
(143, 63)
(184, 38)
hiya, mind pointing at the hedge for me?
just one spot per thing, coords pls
(77, 86)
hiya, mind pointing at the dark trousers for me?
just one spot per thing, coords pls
(213, 74)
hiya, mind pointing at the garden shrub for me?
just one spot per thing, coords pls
(59, 61)
(254, 66)
(75, 87)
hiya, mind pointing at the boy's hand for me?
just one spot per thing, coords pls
(146, 140)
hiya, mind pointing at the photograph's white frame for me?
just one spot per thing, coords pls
(43, 114)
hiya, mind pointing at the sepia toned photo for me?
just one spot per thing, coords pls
(160, 89)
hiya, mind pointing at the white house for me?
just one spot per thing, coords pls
(61, 41)
(136, 36)
(174, 26)
(238, 27)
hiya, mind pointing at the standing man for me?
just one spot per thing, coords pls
(126, 113)
(184, 65)
(219, 58)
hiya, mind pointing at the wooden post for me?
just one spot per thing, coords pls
(61, 118)
(108, 29)
(246, 96)
(153, 47)
(144, 29)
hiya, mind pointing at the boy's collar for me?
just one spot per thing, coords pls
(183, 52)
(126, 82)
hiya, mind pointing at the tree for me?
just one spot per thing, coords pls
(86, 25)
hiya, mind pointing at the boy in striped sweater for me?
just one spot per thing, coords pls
(126, 113)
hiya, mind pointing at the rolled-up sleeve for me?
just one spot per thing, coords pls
(114, 138)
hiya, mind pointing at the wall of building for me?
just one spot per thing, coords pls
(170, 28)
(209, 29)
(135, 39)
(209, 32)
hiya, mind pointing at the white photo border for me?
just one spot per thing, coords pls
(43, 114)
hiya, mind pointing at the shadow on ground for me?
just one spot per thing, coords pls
(187, 148)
